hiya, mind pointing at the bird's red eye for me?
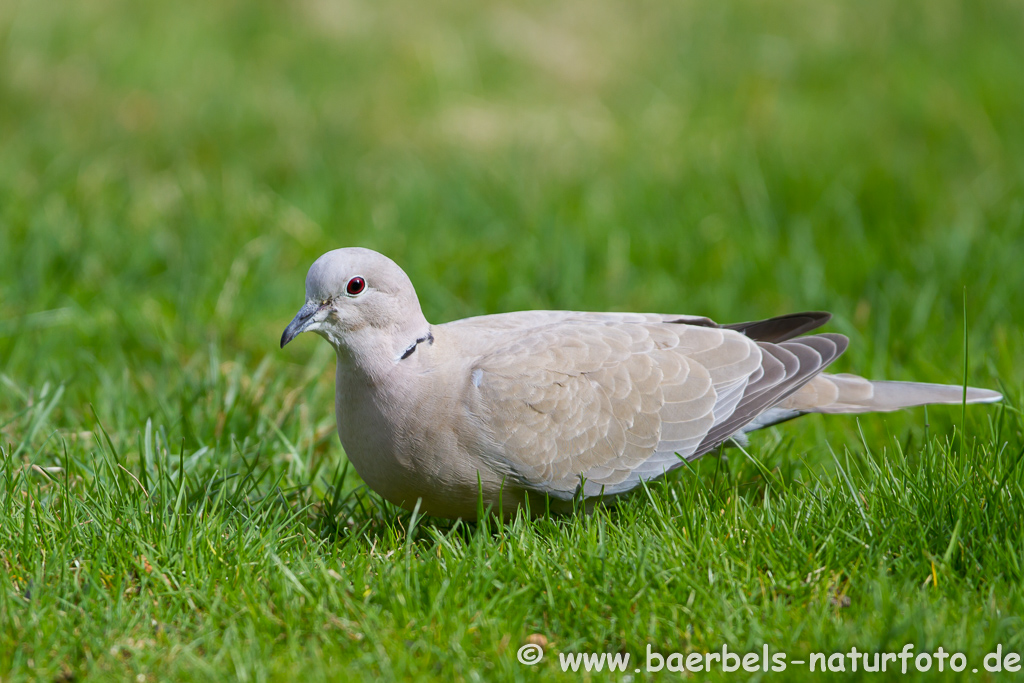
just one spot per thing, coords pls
(356, 285)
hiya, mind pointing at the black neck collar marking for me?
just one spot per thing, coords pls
(428, 337)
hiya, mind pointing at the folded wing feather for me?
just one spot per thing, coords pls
(613, 402)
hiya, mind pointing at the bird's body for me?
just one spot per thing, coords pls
(516, 407)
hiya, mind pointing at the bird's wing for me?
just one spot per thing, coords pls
(487, 328)
(783, 327)
(616, 402)
(482, 334)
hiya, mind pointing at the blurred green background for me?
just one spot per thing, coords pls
(168, 171)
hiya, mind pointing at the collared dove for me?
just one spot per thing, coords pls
(548, 406)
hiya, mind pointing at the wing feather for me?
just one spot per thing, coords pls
(612, 401)
(783, 327)
(812, 354)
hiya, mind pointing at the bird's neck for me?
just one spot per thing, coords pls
(377, 354)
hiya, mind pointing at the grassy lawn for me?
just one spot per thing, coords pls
(174, 502)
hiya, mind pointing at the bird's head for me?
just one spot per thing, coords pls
(353, 293)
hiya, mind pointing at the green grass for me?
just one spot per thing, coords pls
(174, 502)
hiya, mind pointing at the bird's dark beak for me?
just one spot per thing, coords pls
(300, 322)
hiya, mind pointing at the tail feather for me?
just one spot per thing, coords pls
(853, 394)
